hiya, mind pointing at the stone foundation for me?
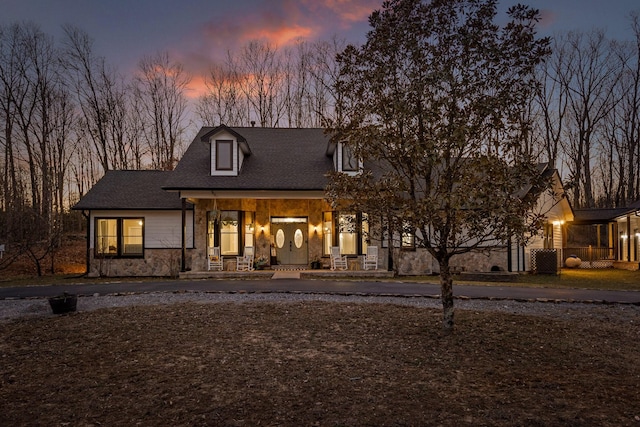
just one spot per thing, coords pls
(413, 263)
(625, 265)
(156, 263)
(420, 262)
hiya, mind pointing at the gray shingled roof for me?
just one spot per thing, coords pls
(597, 215)
(130, 190)
(281, 159)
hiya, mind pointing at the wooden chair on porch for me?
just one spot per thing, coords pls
(338, 261)
(245, 262)
(214, 260)
(370, 260)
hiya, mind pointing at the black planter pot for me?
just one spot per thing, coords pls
(63, 303)
(315, 265)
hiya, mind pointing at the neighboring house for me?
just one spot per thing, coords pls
(617, 236)
(261, 187)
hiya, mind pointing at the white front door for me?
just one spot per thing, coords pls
(291, 242)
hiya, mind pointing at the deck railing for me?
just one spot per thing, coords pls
(591, 257)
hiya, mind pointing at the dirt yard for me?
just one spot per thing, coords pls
(318, 363)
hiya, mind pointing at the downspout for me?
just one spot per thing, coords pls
(184, 236)
(88, 253)
(629, 238)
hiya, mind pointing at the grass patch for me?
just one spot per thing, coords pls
(609, 279)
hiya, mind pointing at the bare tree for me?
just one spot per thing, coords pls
(259, 69)
(36, 116)
(325, 70)
(11, 89)
(102, 99)
(590, 74)
(221, 103)
(160, 89)
(551, 98)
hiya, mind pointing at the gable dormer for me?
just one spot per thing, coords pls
(344, 159)
(228, 150)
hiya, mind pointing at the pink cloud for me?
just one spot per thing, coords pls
(547, 18)
(280, 23)
(348, 11)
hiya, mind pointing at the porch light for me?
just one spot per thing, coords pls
(558, 222)
(624, 236)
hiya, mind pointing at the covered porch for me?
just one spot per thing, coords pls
(286, 232)
(605, 238)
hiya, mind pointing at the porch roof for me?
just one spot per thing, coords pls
(130, 189)
(597, 215)
(281, 159)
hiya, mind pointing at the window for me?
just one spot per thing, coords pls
(365, 232)
(548, 236)
(248, 229)
(229, 229)
(226, 230)
(224, 155)
(119, 237)
(107, 237)
(349, 160)
(351, 230)
(348, 234)
(406, 239)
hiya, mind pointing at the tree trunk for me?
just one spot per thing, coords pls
(446, 291)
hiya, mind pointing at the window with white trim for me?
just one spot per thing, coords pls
(350, 162)
(224, 155)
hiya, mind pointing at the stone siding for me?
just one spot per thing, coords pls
(412, 263)
(480, 261)
(156, 262)
(420, 262)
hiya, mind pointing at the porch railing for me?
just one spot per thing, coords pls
(591, 257)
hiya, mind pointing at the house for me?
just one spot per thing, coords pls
(238, 187)
(617, 236)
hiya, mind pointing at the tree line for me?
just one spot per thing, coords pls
(67, 115)
(586, 116)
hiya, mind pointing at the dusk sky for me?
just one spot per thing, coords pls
(199, 32)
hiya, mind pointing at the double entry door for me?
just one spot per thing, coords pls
(290, 240)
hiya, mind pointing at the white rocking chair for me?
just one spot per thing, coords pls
(245, 262)
(370, 260)
(214, 260)
(338, 261)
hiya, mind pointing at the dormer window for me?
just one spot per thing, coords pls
(224, 155)
(349, 160)
(346, 160)
(228, 150)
